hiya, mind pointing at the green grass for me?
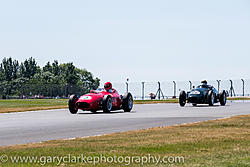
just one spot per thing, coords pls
(156, 101)
(18, 105)
(223, 143)
(32, 103)
(238, 98)
(45, 104)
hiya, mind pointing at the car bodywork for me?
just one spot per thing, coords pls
(202, 94)
(101, 99)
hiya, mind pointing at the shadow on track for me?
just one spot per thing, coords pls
(101, 112)
(207, 106)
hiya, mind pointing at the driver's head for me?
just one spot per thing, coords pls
(204, 82)
(107, 86)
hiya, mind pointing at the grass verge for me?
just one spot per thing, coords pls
(155, 101)
(19, 105)
(224, 143)
(238, 98)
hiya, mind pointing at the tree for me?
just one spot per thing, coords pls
(29, 68)
(1, 73)
(55, 68)
(51, 80)
(47, 67)
(86, 77)
(15, 69)
(7, 68)
(69, 73)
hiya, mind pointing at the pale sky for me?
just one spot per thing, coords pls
(144, 40)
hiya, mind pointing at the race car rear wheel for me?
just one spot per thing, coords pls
(194, 104)
(72, 102)
(182, 98)
(223, 98)
(211, 98)
(127, 102)
(107, 104)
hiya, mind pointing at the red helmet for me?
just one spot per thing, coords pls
(107, 86)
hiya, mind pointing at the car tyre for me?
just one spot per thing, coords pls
(107, 104)
(71, 104)
(211, 98)
(182, 98)
(194, 104)
(127, 102)
(223, 98)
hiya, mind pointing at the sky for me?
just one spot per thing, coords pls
(143, 40)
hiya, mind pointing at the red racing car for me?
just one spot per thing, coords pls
(101, 99)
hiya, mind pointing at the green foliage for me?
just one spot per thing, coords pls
(53, 79)
(28, 68)
(70, 73)
(9, 69)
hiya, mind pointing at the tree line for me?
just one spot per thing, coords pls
(29, 79)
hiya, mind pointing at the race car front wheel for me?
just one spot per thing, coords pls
(182, 98)
(127, 102)
(223, 98)
(72, 102)
(107, 104)
(211, 98)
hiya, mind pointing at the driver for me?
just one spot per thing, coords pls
(204, 82)
(108, 87)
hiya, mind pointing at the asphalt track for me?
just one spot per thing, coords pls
(37, 126)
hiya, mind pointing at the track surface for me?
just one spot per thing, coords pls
(37, 126)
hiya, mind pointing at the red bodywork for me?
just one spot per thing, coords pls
(93, 100)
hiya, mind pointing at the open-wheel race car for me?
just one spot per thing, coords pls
(101, 99)
(203, 94)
